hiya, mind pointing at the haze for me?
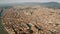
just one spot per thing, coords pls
(20, 1)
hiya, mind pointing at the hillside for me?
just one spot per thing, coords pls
(32, 20)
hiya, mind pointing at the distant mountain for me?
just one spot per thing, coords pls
(46, 4)
(51, 5)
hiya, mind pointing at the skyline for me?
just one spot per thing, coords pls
(21, 1)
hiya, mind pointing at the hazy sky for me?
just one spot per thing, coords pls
(19, 1)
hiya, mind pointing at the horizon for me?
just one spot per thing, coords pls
(24, 1)
(28, 2)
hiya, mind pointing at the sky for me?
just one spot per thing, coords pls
(20, 1)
